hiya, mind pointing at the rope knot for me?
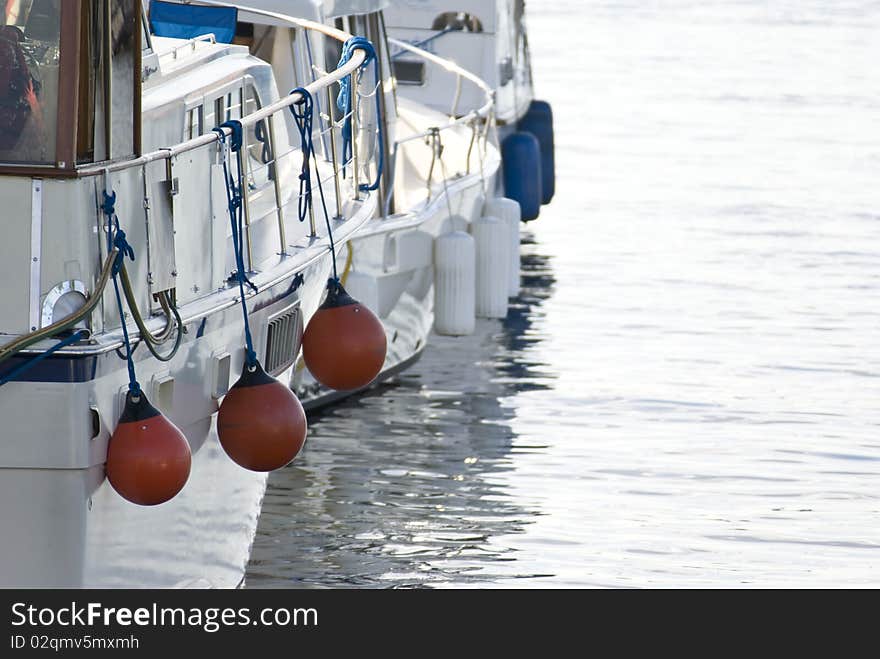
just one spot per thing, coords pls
(237, 137)
(344, 103)
(353, 44)
(109, 204)
(116, 238)
(124, 248)
(305, 99)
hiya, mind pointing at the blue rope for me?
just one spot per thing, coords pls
(303, 114)
(234, 190)
(266, 154)
(28, 365)
(116, 238)
(344, 102)
(425, 42)
(314, 77)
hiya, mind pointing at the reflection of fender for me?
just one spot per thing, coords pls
(16, 87)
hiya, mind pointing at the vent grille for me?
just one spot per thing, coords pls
(283, 340)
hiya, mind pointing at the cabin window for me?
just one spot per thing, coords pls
(409, 72)
(261, 166)
(194, 123)
(109, 82)
(231, 105)
(215, 114)
(146, 37)
(123, 44)
(69, 82)
(30, 38)
(252, 101)
(89, 70)
(236, 104)
(225, 107)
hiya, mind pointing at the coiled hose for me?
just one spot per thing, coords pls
(22, 343)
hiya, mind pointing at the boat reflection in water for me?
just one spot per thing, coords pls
(398, 487)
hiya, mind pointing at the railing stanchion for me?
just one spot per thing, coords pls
(333, 158)
(273, 148)
(355, 129)
(313, 228)
(245, 196)
(453, 113)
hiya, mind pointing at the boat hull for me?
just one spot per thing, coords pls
(67, 527)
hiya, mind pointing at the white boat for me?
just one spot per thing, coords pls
(93, 104)
(488, 38)
(440, 170)
(438, 181)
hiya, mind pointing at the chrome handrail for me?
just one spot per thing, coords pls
(481, 113)
(322, 84)
(209, 37)
(431, 137)
(351, 67)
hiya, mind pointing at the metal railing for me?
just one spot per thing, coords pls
(481, 121)
(321, 85)
(209, 38)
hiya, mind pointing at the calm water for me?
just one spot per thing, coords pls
(688, 391)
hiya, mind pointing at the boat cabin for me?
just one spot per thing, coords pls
(486, 37)
(88, 97)
(299, 57)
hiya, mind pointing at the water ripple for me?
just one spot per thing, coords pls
(686, 392)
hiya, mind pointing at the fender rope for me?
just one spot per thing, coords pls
(234, 191)
(303, 114)
(344, 103)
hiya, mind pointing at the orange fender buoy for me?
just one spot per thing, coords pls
(344, 345)
(148, 458)
(261, 425)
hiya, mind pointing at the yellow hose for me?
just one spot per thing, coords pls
(349, 259)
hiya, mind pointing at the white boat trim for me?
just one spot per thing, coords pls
(36, 251)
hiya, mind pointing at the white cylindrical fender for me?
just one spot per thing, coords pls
(493, 262)
(508, 210)
(364, 289)
(454, 288)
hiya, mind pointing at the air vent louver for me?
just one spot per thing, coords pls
(283, 340)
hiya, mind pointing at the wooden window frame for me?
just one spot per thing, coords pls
(65, 165)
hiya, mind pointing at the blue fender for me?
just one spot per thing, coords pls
(521, 155)
(539, 122)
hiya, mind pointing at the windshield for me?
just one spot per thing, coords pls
(29, 54)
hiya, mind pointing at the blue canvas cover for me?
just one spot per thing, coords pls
(170, 19)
